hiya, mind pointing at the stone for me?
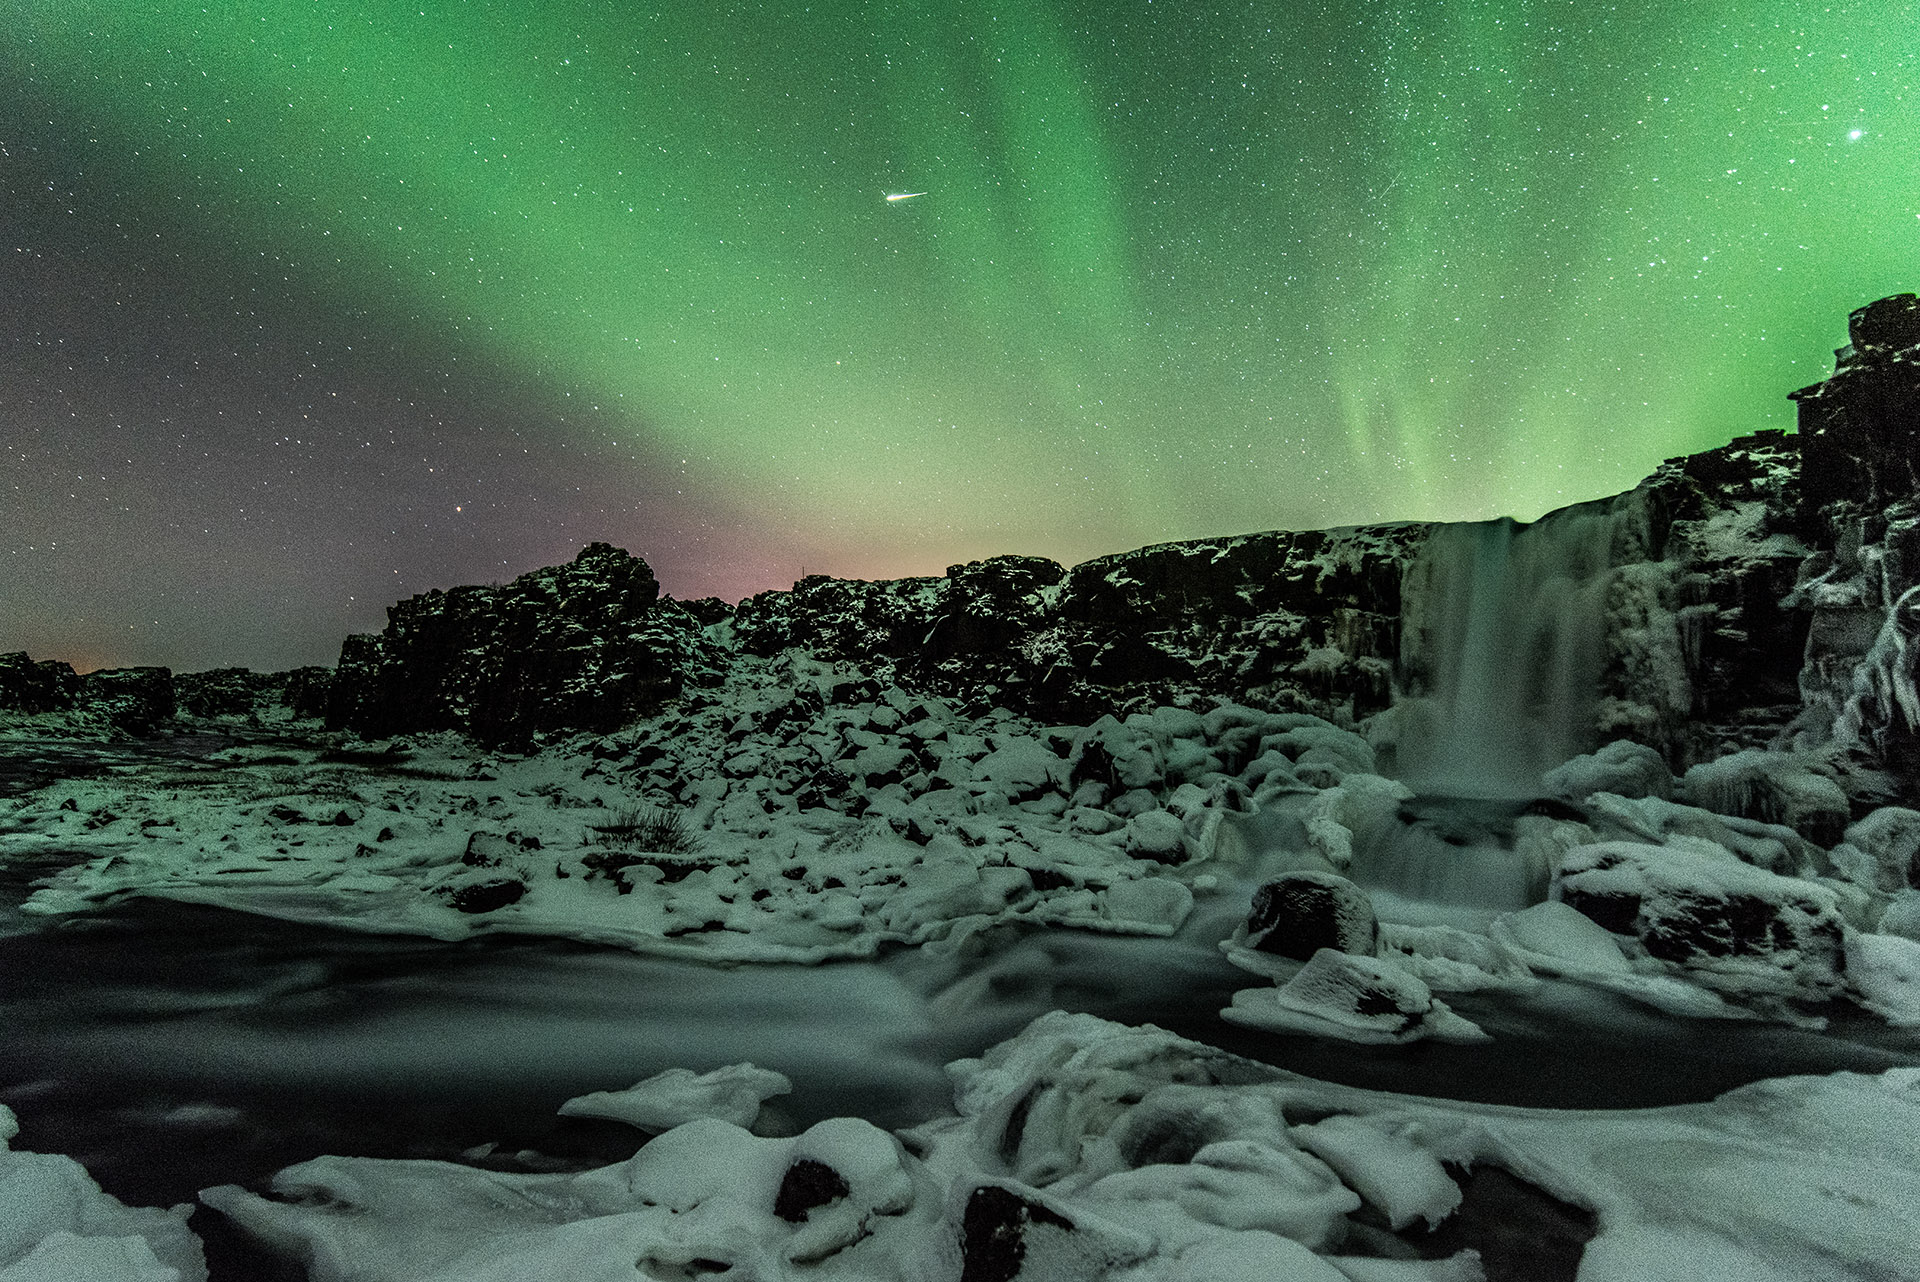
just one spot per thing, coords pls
(1722, 923)
(223, 692)
(1885, 327)
(1299, 913)
(139, 701)
(807, 1184)
(485, 893)
(1358, 999)
(583, 646)
(33, 688)
(1007, 1234)
(1623, 767)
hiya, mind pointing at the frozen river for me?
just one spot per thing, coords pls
(171, 1047)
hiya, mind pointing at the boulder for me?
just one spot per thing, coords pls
(1623, 767)
(1720, 922)
(1299, 913)
(32, 688)
(139, 701)
(1008, 1233)
(484, 891)
(1882, 851)
(583, 646)
(1770, 787)
(1356, 999)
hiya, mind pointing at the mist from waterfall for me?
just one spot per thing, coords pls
(1502, 647)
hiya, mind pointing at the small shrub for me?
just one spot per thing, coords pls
(641, 828)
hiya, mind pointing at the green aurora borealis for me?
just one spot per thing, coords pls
(1181, 269)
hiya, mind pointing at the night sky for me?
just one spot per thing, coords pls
(306, 307)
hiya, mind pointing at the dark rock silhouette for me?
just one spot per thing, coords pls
(32, 688)
(1299, 913)
(584, 646)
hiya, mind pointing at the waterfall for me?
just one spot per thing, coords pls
(1502, 645)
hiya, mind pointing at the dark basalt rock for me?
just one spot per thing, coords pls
(1178, 623)
(1614, 912)
(304, 690)
(807, 1184)
(1522, 1232)
(146, 701)
(583, 646)
(993, 1233)
(139, 701)
(30, 687)
(990, 607)
(1299, 913)
(1860, 511)
(839, 618)
(488, 895)
(239, 693)
(1860, 428)
(1689, 917)
(225, 692)
(1729, 926)
(487, 850)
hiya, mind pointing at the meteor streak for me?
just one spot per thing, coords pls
(904, 195)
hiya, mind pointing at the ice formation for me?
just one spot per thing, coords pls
(57, 1226)
(1084, 1150)
(732, 1094)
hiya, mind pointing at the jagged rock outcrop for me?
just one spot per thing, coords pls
(137, 700)
(1702, 658)
(1302, 621)
(585, 646)
(240, 693)
(1761, 595)
(148, 701)
(35, 688)
(1860, 496)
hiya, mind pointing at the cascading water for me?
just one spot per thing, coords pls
(1502, 644)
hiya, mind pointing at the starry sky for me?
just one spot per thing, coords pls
(308, 306)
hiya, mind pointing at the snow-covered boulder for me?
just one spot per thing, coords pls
(56, 1225)
(732, 1094)
(1623, 767)
(1557, 939)
(1882, 851)
(1884, 974)
(1724, 923)
(1356, 999)
(1386, 1164)
(1299, 913)
(1772, 787)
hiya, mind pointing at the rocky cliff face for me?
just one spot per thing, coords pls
(1293, 621)
(1758, 595)
(1860, 510)
(588, 645)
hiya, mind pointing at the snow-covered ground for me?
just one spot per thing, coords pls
(803, 813)
(797, 813)
(1082, 1149)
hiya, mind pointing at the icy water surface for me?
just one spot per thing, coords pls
(170, 1047)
